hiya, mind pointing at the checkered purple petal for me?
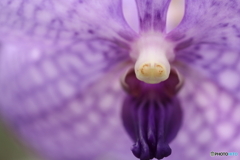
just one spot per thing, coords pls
(208, 41)
(59, 87)
(211, 120)
(207, 55)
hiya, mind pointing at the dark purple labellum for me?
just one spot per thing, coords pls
(152, 125)
(152, 116)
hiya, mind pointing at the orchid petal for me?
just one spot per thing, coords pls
(211, 120)
(60, 124)
(64, 19)
(56, 63)
(203, 23)
(152, 14)
(208, 40)
(46, 104)
(207, 54)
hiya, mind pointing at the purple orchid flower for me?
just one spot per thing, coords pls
(77, 83)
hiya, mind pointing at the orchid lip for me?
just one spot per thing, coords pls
(151, 114)
(152, 124)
